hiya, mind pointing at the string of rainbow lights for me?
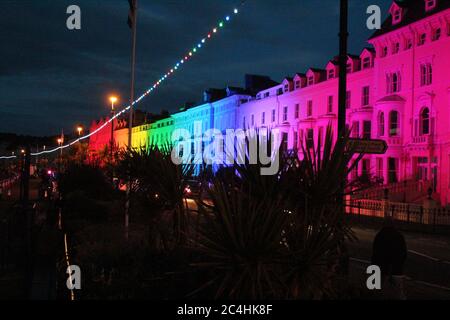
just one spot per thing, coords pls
(187, 57)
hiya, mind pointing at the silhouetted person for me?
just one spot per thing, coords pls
(389, 253)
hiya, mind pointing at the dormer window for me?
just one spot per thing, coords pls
(331, 74)
(430, 4)
(349, 68)
(297, 84)
(422, 39)
(367, 63)
(396, 48)
(384, 52)
(310, 80)
(436, 34)
(286, 88)
(397, 16)
(408, 44)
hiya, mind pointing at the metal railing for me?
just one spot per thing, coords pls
(404, 212)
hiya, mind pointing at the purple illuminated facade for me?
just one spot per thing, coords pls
(398, 91)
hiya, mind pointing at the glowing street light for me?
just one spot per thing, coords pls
(80, 130)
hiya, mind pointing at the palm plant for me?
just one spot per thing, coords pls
(278, 236)
(154, 175)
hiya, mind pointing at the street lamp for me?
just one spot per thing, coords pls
(79, 129)
(113, 100)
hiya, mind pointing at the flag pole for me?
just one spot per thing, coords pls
(130, 125)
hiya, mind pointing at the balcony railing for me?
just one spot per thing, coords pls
(422, 140)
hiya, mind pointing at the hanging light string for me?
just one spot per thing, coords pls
(187, 57)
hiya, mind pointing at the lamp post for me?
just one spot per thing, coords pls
(80, 130)
(113, 100)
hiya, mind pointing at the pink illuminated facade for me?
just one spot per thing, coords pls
(398, 91)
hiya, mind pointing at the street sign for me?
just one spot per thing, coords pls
(368, 146)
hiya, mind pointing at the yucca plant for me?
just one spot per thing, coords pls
(278, 236)
(154, 175)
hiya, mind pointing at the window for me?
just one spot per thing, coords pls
(279, 91)
(266, 94)
(253, 120)
(384, 52)
(366, 63)
(380, 171)
(349, 68)
(355, 129)
(297, 84)
(297, 111)
(284, 142)
(263, 118)
(321, 137)
(393, 82)
(365, 99)
(381, 124)
(285, 114)
(425, 121)
(430, 4)
(393, 124)
(310, 80)
(408, 44)
(330, 104)
(310, 138)
(309, 109)
(273, 115)
(397, 16)
(295, 147)
(365, 167)
(426, 74)
(367, 129)
(393, 170)
(436, 34)
(243, 123)
(422, 39)
(396, 48)
(331, 74)
(286, 88)
(348, 99)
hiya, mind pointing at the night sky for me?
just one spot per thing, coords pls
(52, 78)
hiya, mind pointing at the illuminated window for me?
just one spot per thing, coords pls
(393, 124)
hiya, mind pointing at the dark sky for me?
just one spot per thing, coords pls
(53, 78)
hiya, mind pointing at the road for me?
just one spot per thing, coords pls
(427, 266)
